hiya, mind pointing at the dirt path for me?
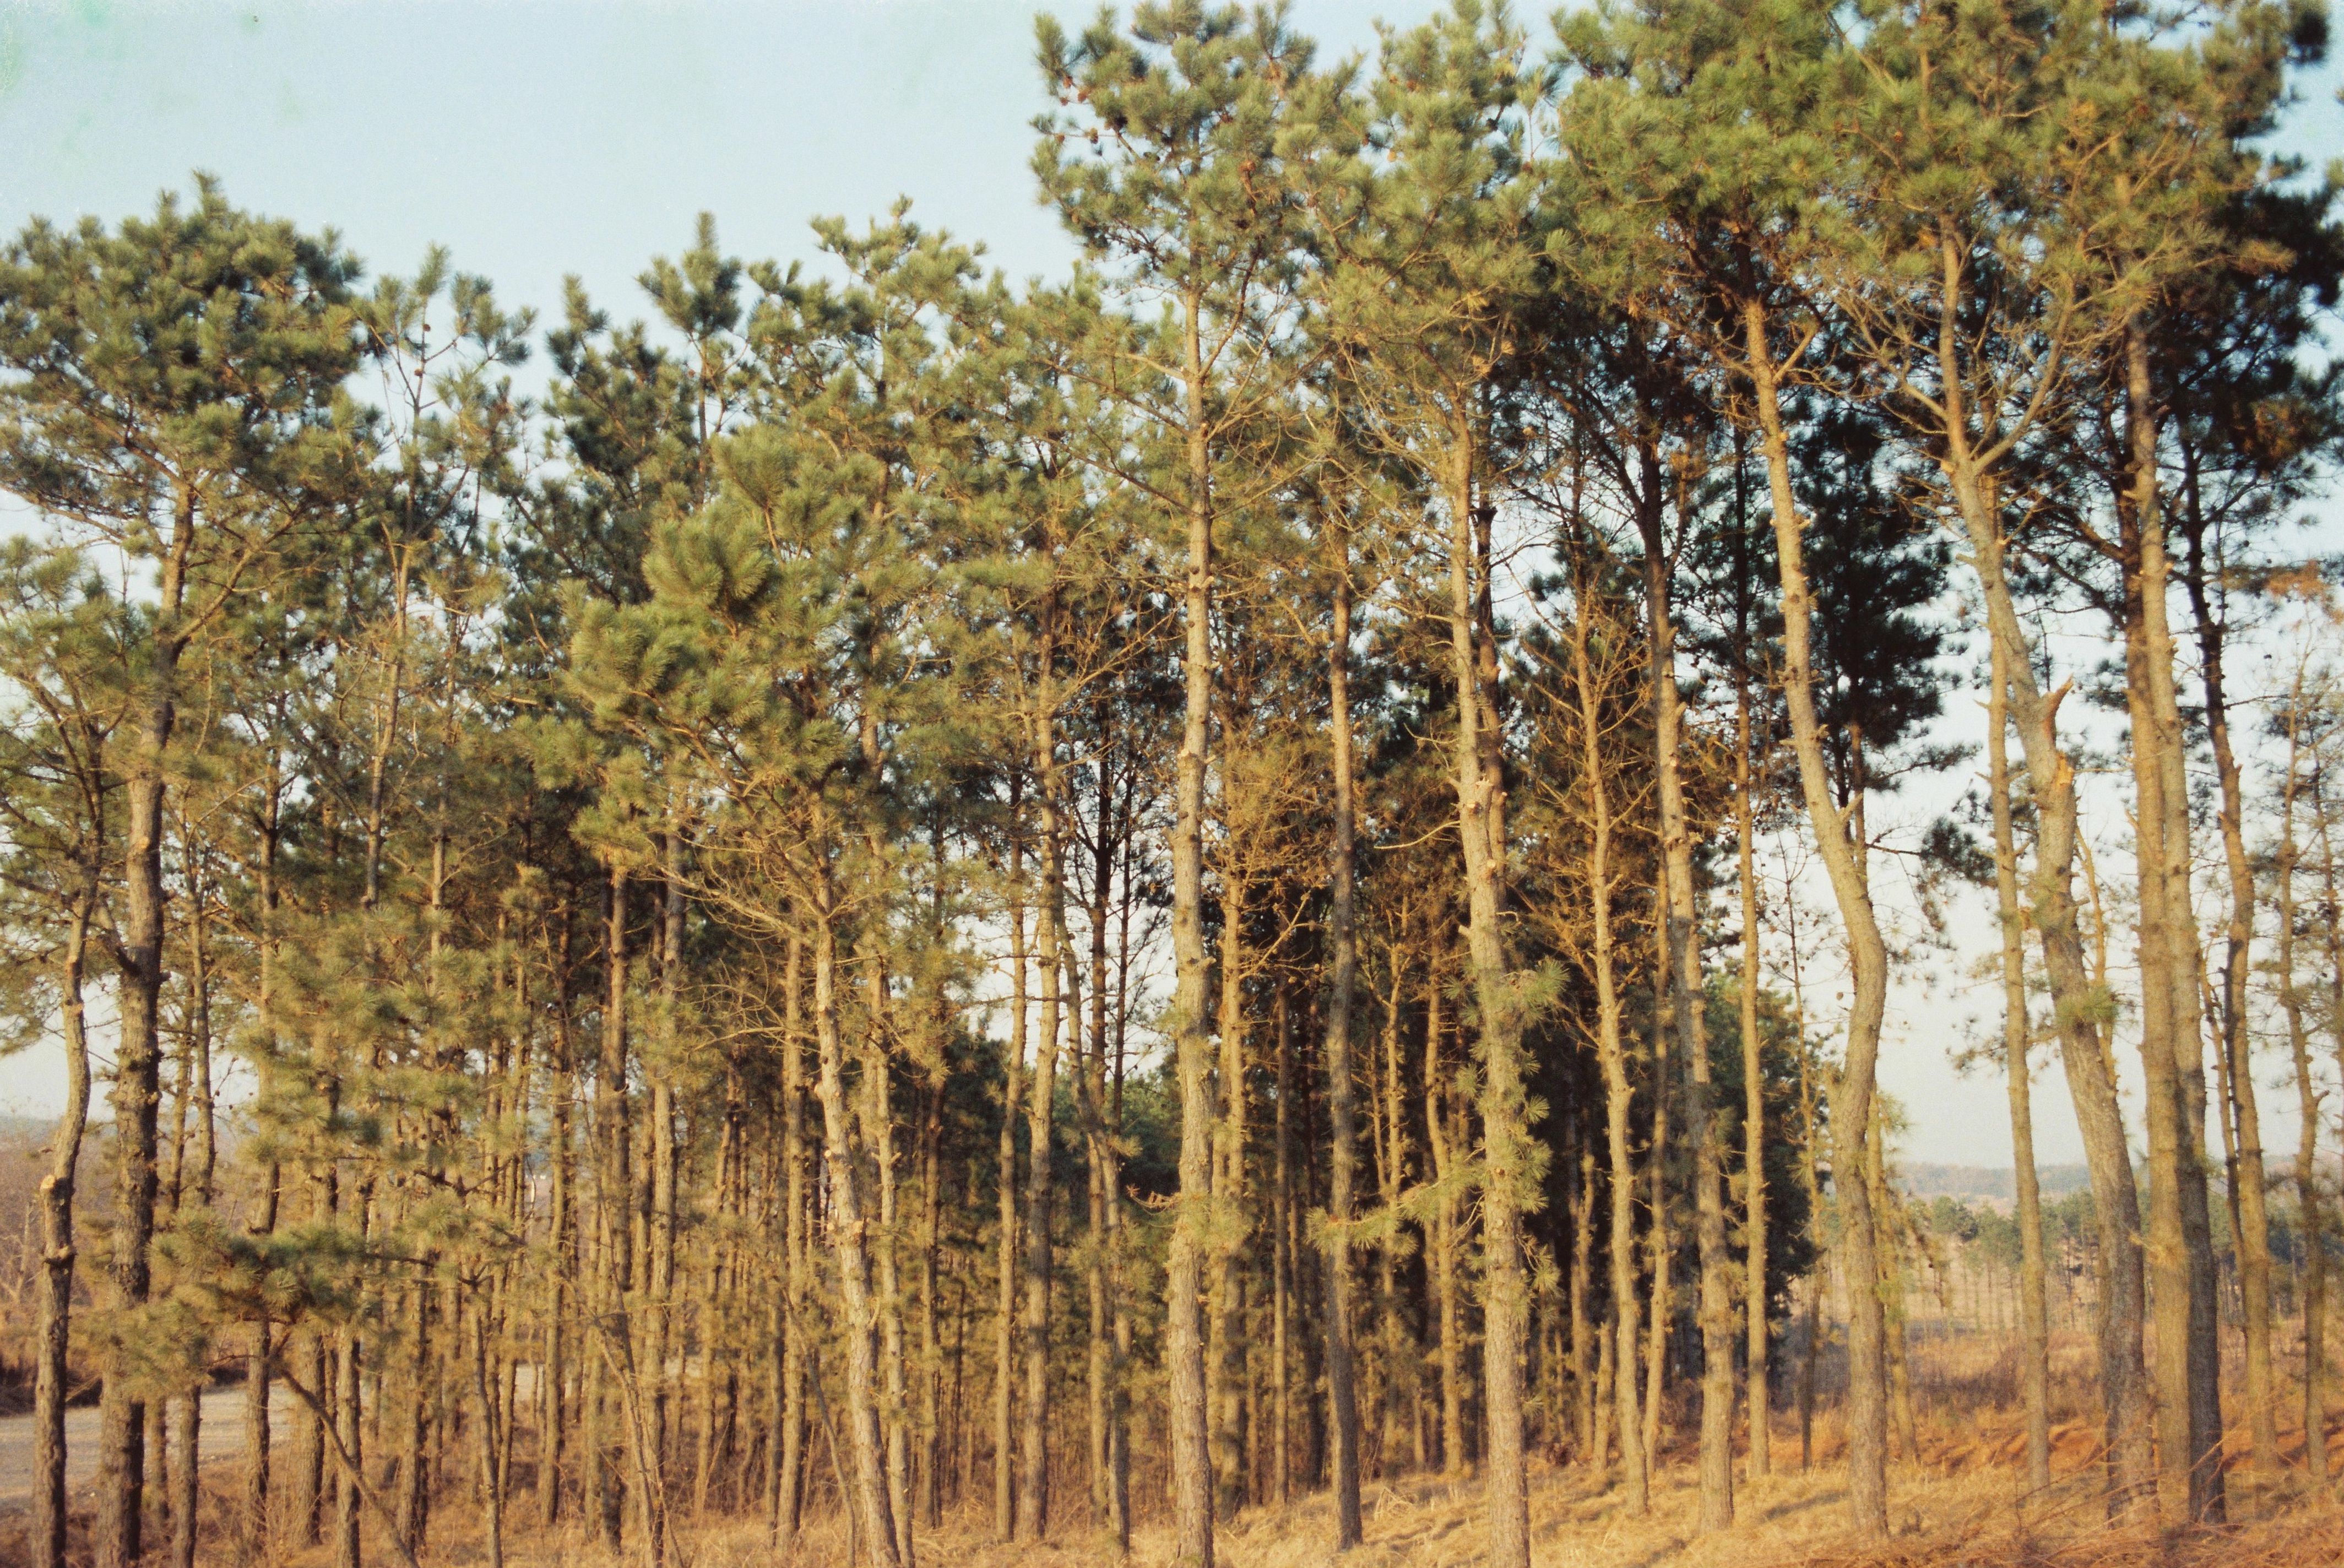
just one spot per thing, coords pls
(223, 1439)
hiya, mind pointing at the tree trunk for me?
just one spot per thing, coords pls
(665, 1415)
(1585, 1394)
(712, 1293)
(1612, 1056)
(1110, 1496)
(932, 1434)
(310, 1426)
(1226, 1367)
(2180, 1247)
(1033, 1500)
(414, 1500)
(487, 1435)
(1890, 1288)
(195, 1091)
(2307, 1161)
(2034, 1349)
(554, 1377)
(1281, 1263)
(258, 1368)
(849, 1233)
(1818, 1283)
(1119, 1421)
(1867, 954)
(2332, 936)
(2247, 1191)
(2081, 1007)
(52, 1329)
(1687, 1002)
(788, 1501)
(137, 1099)
(1448, 1316)
(1753, 1082)
(1342, 1161)
(879, 1146)
(1510, 1158)
(1660, 1246)
(349, 1439)
(1184, 1356)
(1395, 1365)
(615, 1191)
(259, 1365)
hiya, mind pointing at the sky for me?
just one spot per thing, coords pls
(539, 140)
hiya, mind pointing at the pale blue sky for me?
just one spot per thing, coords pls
(536, 139)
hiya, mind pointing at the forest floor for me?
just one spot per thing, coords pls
(1960, 1504)
(1960, 1507)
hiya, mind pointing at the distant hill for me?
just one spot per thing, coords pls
(13, 1128)
(1997, 1186)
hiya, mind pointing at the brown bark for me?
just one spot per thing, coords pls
(259, 1366)
(1510, 1156)
(788, 1446)
(2080, 1001)
(487, 1436)
(1395, 1364)
(1811, 1180)
(1586, 1391)
(2248, 1186)
(1033, 1499)
(307, 1502)
(195, 1091)
(849, 1232)
(2034, 1347)
(351, 1497)
(1659, 1245)
(139, 1058)
(1612, 1057)
(1005, 1348)
(1867, 953)
(614, 1189)
(1753, 1082)
(259, 1369)
(2081, 1004)
(1342, 1395)
(2179, 1252)
(414, 1494)
(660, 1326)
(554, 1427)
(1192, 1504)
(1281, 1263)
(2331, 937)
(2307, 1161)
(932, 1430)
(1225, 1365)
(54, 1313)
(1685, 1001)
(1109, 1326)
(1446, 1317)
(1890, 1289)
(879, 1146)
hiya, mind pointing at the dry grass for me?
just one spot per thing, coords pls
(1960, 1507)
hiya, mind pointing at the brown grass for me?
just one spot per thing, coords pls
(1959, 1507)
(1959, 1503)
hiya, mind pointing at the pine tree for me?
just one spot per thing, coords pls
(176, 395)
(1184, 110)
(65, 655)
(1663, 97)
